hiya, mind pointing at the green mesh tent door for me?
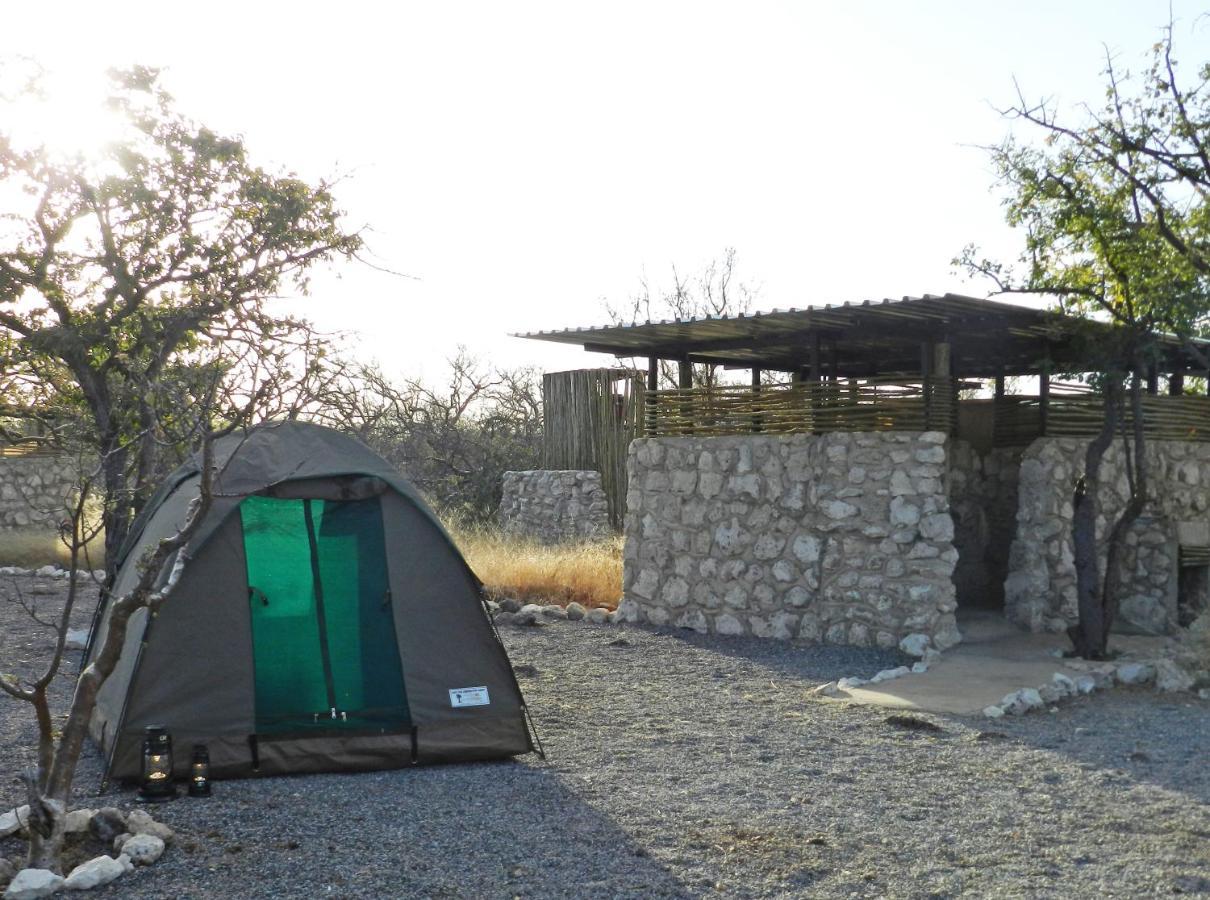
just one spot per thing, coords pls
(324, 649)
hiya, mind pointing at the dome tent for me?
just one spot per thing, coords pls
(325, 621)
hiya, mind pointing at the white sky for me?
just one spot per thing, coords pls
(526, 161)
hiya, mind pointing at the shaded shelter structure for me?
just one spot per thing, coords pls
(874, 422)
(324, 620)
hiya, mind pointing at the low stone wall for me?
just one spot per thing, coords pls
(34, 491)
(554, 505)
(1040, 591)
(842, 537)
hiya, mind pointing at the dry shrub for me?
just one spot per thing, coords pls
(589, 573)
(30, 549)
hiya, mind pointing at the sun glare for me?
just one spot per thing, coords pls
(67, 115)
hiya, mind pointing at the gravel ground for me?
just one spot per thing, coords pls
(689, 766)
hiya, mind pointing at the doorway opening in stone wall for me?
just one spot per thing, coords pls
(983, 495)
(1193, 584)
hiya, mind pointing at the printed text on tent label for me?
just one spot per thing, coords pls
(469, 696)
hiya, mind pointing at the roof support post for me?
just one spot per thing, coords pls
(1043, 402)
(1000, 384)
(757, 420)
(926, 371)
(685, 382)
(813, 378)
(1153, 380)
(650, 428)
(1176, 383)
(944, 396)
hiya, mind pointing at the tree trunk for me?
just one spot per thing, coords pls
(47, 824)
(1087, 635)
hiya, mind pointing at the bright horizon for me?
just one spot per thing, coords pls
(523, 164)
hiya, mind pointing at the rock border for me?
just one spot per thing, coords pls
(136, 838)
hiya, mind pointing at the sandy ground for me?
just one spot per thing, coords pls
(689, 766)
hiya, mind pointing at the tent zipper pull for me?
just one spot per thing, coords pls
(333, 712)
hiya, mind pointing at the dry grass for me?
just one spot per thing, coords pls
(31, 549)
(589, 573)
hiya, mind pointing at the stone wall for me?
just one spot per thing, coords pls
(983, 502)
(842, 537)
(554, 505)
(34, 491)
(1040, 592)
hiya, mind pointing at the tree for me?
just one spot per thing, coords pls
(711, 292)
(128, 281)
(1116, 218)
(49, 784)
(455, 440)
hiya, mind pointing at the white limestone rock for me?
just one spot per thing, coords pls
(94, 873)
(30, 884)
(77, 820)
(1170, 677)
(140, 822)
(1134, 673)
(915, 644)
(890, 674)
(825, 690)
(919, 668)
(1085, 684)
(598, 615)
(14, 820)
(993, 712)
(77, 639)
(554, 612)
(1064, 683)
(728, 624)
(847, 684)
(143, 849)
(575, 611)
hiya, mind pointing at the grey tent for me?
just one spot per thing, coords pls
(324, 621)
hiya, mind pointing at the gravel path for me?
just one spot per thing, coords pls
(689, 766)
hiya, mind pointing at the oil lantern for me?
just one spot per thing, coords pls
(199, 772)
(157, 784)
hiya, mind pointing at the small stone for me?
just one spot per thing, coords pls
(1085, 684)
(14, 820)
(77, 639)
(1171, 677)
(993, 712)
(728, 624)
(30, 884)
(140, 823)
(1135, 673)
(931, 655)
(825, 690)
(919, 668)
(890, 674)
(554, 612)
(915, 644)
(7, 871)
(510, 605)
(1064, 684)
(575, 611)
(847, 684)
(120, 841)
(628, 611)
(143, 849)
(107, 824)
(598, 615)
(1050, 693)
(78, 820)
(1204, 694)
(94, 873)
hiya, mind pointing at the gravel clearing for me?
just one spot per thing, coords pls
(682, 765)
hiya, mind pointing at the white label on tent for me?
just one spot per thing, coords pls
(470, 696)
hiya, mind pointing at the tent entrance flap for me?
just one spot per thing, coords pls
(323, 631)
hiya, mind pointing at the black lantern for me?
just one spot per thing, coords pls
(199, 772)
(157, 784)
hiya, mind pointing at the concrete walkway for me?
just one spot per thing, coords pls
(994, 659)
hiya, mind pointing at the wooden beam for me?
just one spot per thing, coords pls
(1043, 400)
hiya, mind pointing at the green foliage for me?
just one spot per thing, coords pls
(1114, 208)
(134, 286)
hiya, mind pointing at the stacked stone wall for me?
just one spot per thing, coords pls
(843, 537)
(34, 491)
(1040, 592)
(554, 505)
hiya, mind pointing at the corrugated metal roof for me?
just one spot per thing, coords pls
(883, 337)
